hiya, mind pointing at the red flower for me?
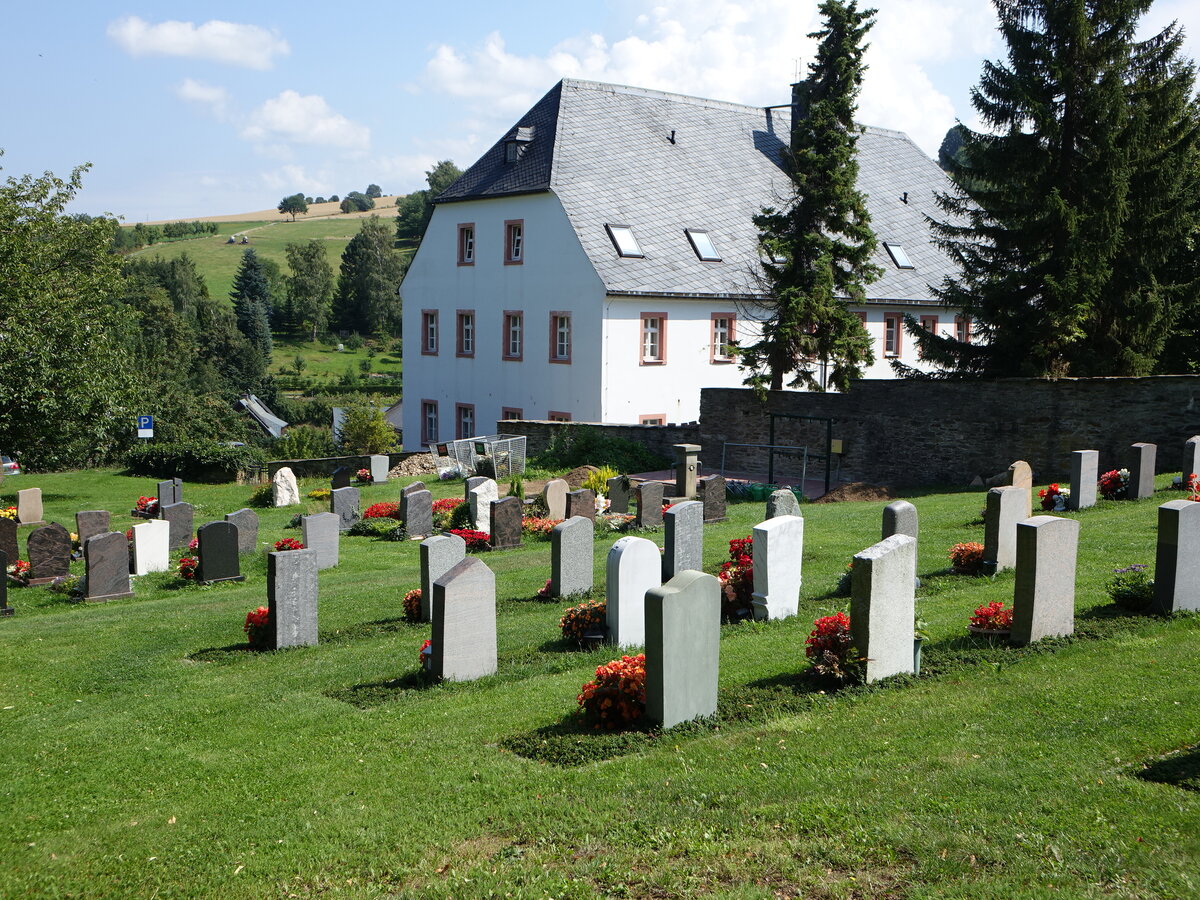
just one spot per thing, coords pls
(993, 617)
(257, 627)
(288, 544)
(476, 540)
(384, 510)
(829, 646)
(187, 567)
(618, 695)
(425, 656)
(412, 605)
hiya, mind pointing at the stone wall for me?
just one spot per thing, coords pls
(944, 432)
(657, 438)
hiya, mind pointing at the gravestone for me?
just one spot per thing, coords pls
(1141, 471)
(883, 605)
(683, 545)
(778, 567)
(1020, 475)
(504, 523)
(169, 492)
(1044, 593)
(782, 502)
(571, 561)
(292, 586)
(687, 469)
(151, 547)
(379, 468)
(321, 533)
(29, 506)
(106, 560)
(178, 489)
(340, 477)
(439, 554)
(581, 503)
(219, 559)
(711, 492)
(284, 489)
(683, 647)
(413, 488)
(5, 609)
(464, 622)
(246, 522)
(8, 540)
(91, 522)
(1085, 472)
(633, 567)
(899, 517)
(1005, 508)
(649, 504)
(555, 496)
(618, 494)
(1191, 456)
(479, 500)
(344, 503)
(471, 483)
(49, 553)
(416, 509)
(179, 517)
(1177, 560)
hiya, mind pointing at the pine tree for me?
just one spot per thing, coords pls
(371, 272)
(1068, 207)
(818, 247)
(252, 302)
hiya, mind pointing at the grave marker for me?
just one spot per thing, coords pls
(555, 496)
(1085, 472)
(618, 494)
(91, 522)
(479, 499)
(683, 546)
(711, 493)
(413, 488)
(782, 502)
(1191, 456)
(151, 547)
(778, 567)
(1044, 594)
(340, 478)
(883, 604)
(292, 587)
(581, 503)
(246, 522)
(1177, 560)
(179, 517)
(633, 566)
(284, 489)
(5, 609)
(1005, 508)
(378, 464)
(49, 550)
(900, 517)
(687, 469)
(649, 504)
(8, 540)
(29, 506)
(218, 549)
(344, 503)
(504, 523)
(571, 560)
(106, 560)
(683, 647)
(439, 554)
(416, 509)
(1141, 472)
(321, 534)
(168, 492)
(464, 622)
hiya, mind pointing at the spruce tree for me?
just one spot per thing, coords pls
(252, 302)
(1068, 208)
(818, 247)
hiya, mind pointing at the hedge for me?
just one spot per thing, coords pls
(193, 460)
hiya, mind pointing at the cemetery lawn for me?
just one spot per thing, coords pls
(145, 755)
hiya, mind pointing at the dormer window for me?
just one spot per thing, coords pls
(899, 256)
(703, 245)
(623, 239)
(517, 141)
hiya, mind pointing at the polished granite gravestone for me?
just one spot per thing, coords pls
(321, 533)
(106, 558)
(219, 556)
(344, 503)
(1085, 472)
(1177, 559)
(581, 503)
(649, 504)
(683, 545)
(710, 491)
(8, 539)
(416, 510)
(1044, 589)
(340, 478)
(5, 609)
(49, 553)
(91, 522)
(504, 525)
(246, 522)
(618, 494)
(179, 517)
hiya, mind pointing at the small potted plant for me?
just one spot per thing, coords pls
(993, 620)
(258, 628)
(737, 581)
(363, 476)
(1113, 484)
(830, 647)
(966, 558)
(425, 657)
(617, 696)
(412, 605)
(288, 544)
(586, 623)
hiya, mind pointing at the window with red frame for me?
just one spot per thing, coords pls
(465, 413)
(466, 332)
(962, 328)
(514, 334)
(654, 338)
(514, 242)
(429, 332)
(466, 244)
(891, 334)
(429, 421)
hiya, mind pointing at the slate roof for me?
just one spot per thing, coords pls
(605, 151)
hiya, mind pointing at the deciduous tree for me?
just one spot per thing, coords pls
(296, 203)
(310, 286)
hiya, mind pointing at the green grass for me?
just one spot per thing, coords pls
(321, 360)
(145, 756)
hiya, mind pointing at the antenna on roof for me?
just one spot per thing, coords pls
(904, 198)
(672, 137)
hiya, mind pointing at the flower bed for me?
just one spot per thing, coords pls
(538, 527)
(476, 540)
(383, 510)
(288, 544)
(577, 621)
(830, 648)
(966, 558)
(8, 512)
(617, 697)
(145, 508)
(187, 567)
(443, 512)
(737, 580)
(258, 628)
(18, 571)
(994, 618)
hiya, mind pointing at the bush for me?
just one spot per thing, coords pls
(579, 620)
(396, 533)
(597, 482)
(412, 605)
(460, 517)
(583, 445)
(1132, 588)
(193, 460)
(617, 697)
(475, 540)
(372, 527)
(967, 558)
(263, 496)
(304, 442)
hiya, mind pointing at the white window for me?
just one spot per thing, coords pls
(466, 420)
(653, 337)
(898, 255)
(430, 332)
(466, 245)
(560, 337)
(466, 333)
(891, 334)
(514, 241)
(703, 245)
(623, 239)
(722, 338)
(513, 335)
(429, 421)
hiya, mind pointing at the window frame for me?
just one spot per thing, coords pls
(430, 317)
(930, 324)
(659, 419)
(426, 438)
(692, 239)
(505, 410)
(713, 356)
(554, 415)
(897, 253)
(505, 335)
(459, 409)
(661, 360)
(962, 326)
(554, 316)
(514, 227)
(637, 253)
(460, 334)
(466, 244)
(894, 323)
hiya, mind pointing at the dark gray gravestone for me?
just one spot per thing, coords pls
(219, 559)
(320, 533)
(1177, 561)
(341, 477)
(166, 494)
(581, 503)
(178, 482)
(618, 494)
(49, 550)
(413, 488)
(506, 523)
(106, 558)
(1141, 471)
(711, 492)
(439, 554)
(571, 562)
(416, 509)
(464, 622)
(5, 609)
(179, 517)
(344, 503)
(650, 501)
(246, 522)
(8, 540)
(683, 545)
(683, 648)
(292, 598)
(89, 523)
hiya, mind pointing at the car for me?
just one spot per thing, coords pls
(9, 466)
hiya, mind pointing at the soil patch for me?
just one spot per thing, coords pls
(421, 464)
(577, 476)
(857, 490)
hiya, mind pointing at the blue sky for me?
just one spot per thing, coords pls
(204, 109)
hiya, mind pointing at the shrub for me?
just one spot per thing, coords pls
(320, 494)
(304, 442)
(597, 481)
(830, 647)
(1132, 588)
(617, 697)
(396, 533)
(460, 517)
(967, 559)
(376, 528)
(412, 605)
(257, 628)
(737, 580)
(263, 495)
(193, 460)
(476, 540)
(295, 521)
(993, 617)
(578, 620)
(581, 445)
(443, 511)
(386, 509)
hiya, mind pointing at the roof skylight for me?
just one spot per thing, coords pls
(703, 245)
(899, 256)
(623, 239)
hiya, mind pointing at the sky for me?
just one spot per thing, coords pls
(188, 109)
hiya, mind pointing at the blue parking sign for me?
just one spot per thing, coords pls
(145, 426)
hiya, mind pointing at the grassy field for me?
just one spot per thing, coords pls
(145, 755)
(322, 360)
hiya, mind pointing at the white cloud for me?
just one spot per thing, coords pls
(305, 119)
(209, 95)
(295, 178)
(225, 42)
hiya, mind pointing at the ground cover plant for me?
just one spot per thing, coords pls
(149, 751)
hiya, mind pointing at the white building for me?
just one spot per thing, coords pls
(592, 265)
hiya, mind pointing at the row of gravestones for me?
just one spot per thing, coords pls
(285, 490)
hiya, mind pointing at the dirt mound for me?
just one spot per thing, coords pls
(420, 464)
(857, 490)
(577, 476)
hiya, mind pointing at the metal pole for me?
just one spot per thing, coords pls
(771, 452)
(804, 473)
(828, 450)
(724, 444)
